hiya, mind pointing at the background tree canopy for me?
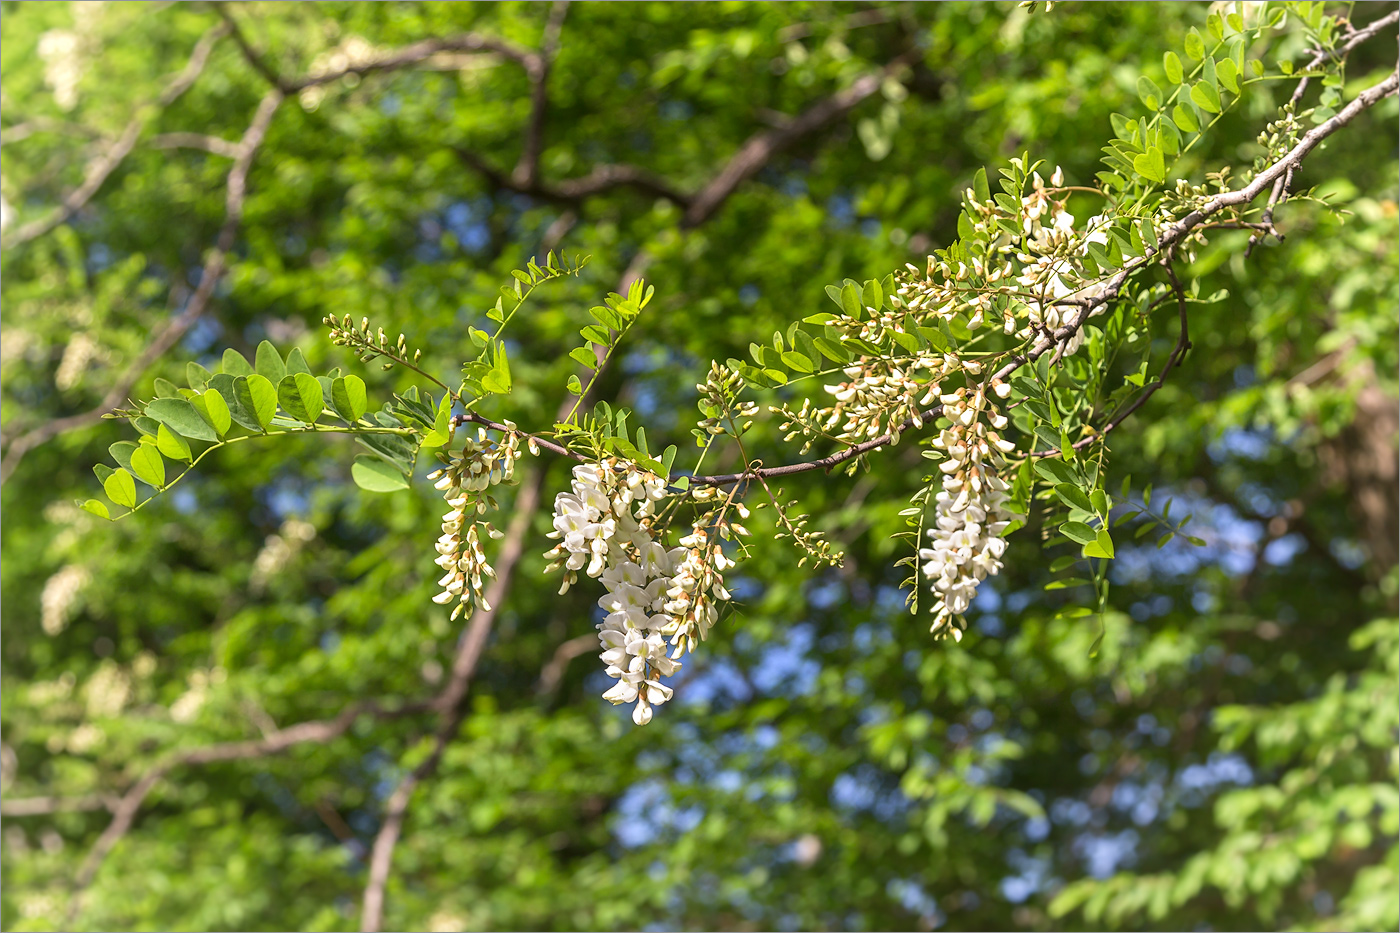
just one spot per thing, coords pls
(225, 711)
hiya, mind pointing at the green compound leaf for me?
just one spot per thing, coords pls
(269, 363)
(1101, 546)
(296, 362)
(1056, 470)
(121, 452)
(235, 365)
(224, 384)
(1172, 64)
(1151, 165)
(97, 508)
(183, 418)
(374, 475)
(1185, 118)
(197, 376)
(349, 398)
(173, 445)
(214, 410)
(258, 398)
(300, 395)
(1074, 496)
(1078, 532)
(1150, 93)
(1206, 97)
(148, 465)
(121, 488)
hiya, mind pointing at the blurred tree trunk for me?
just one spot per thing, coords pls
(1363, 457)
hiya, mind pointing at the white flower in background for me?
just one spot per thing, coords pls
(278, 550)
(106, 691)
(59, 601)
(62, 54)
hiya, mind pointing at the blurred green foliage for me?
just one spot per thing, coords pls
(1228, 760)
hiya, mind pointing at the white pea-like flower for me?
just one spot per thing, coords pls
(656, 599)
(464, 483)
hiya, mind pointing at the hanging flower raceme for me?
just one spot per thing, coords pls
(655, 598)
(465, 483)
(971, 508)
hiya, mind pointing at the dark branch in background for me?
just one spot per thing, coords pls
(214, 268)
(45, 806)
(214, 144)
(125, 809)
(391, 61)
(528, 168)
(754, 154)
(101, 168)
(761, 147)
(553, 672)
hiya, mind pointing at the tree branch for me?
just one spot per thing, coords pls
(125, 809)
(761, 147)
(44, 806)
(527, 170)
(553, 671)
(101, 168)
(1169, 238)
(214, 269)
(214, 144)
(400, 58)
(1355, 39)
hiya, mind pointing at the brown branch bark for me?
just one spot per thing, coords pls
(760, 148)
(553, 671)
(101, 168)
(214, 144)
(43, 806)
(125, 810)
(572, 192)
(1356, 38)
(214, 268)
(527, 170)
(410, 54)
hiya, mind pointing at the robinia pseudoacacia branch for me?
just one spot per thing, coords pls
(1012, 354)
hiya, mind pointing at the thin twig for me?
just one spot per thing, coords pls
(553, 671)
(393, 60)
(1183, 343)
(1353, 40)
(44, 806)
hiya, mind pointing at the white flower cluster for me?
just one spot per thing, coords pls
(1039, 269)
(604, 527)
(971, 509)
(59, 600)
(481, 464)
(64, 60)
(881, 395)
